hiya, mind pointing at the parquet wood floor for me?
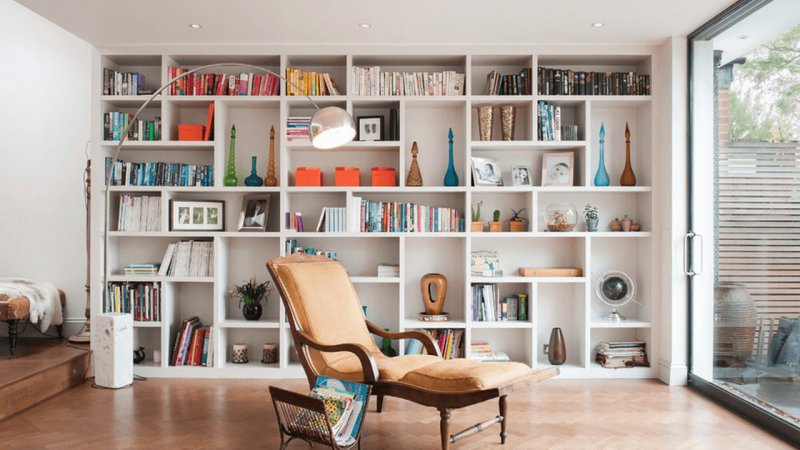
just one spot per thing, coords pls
(237, 414)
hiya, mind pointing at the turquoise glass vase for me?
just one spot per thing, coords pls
(601, 177)
(253, 179)
(451, 177)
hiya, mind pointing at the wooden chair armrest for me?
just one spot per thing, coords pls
(423, 337)
(368, 365)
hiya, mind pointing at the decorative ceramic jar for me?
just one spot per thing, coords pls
(561, 217)
(269, 353)
(735, 320)
(507, 118)
(240, 354)
(485, 122)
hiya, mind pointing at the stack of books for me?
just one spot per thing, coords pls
(297, 128)
(192, 345)
(568, 82)
(245, 83)
(482, 351)
(140, 269)
(368, 216)
(115, 123)
(371, 81)
(501, 84)
(188, 259)
(616, 355)
(294, 221)
(550, 127)
(313, 83)
(123, 83)
(388, 270)
(139, 213)
(143, 300)
(159, 174)
(450, 342)
(332, 220)
(489, 306)
(345, 405)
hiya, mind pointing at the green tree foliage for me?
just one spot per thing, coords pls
(765, 94)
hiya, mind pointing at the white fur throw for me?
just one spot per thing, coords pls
(45, 302)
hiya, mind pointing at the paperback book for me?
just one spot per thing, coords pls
(143, 300)
(372, 81)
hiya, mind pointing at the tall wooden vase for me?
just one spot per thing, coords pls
(271, 180)
(557, 351)
(627, 178)
(414, 177)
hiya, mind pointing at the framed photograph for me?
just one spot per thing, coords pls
(255, 213)
(557, 169)
(486, 172)
(194, 216)
(521, 176)
(370, 128)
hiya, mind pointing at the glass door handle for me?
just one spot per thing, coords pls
(688, 268)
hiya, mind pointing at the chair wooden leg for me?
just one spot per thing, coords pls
(12, 335)
(380, 403)
(504, 413)
(444, 427)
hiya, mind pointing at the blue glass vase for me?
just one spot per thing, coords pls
(451, 177)
(601, 177)
(253, 179)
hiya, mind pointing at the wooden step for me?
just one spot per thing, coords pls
(41, 369)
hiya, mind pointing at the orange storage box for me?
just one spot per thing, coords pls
(308, 176)
(383, 176)
(190, 132)
(348, 176)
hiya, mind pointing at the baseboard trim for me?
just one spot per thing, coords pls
(673, 374)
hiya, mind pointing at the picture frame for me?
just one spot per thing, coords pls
(370, 128)
(486, 172)
(255, 212)
(558, 169)
(190, 215)
(521, 175)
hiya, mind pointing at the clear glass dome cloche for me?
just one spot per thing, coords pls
(561, 217)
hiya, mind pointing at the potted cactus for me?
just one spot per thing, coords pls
(496, 225)
(477, 223)
(517, 221)
(591, 216)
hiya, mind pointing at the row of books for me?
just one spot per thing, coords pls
(159, 174)
(616, 355)
(297, 128)
(294, 221)
(549, 124)
(489, 306)
(193, 345)
(143, 300)
(140, 269)
(482, 351)
(245, 83)
(123, 83)
(569, 82)
(332, 220)
(309, 82)
(345, 405)
(139, 213)
(449, 340)
(388, 270)
(374, 217)
(115, 123)
(371, 81)
(188, 259)
(502, 84)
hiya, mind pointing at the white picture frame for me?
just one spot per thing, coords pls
(521, 175)
(197, 215)
(558, 169)
(486, 172)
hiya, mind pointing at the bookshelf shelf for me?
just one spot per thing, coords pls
(393, 302)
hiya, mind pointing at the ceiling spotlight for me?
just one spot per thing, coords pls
(195, 26)
(597, 24)
(742, 36)
(364, 25)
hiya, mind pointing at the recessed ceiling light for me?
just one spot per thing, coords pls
(743, 36)
(597, 24)
(195, 26)
(364, 25)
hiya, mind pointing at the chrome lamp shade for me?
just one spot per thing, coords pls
(331, 127)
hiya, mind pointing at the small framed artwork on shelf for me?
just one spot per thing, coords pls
(557, 169)
(486, 172)
(521, 175)
(255, 212)
(197, 216)
(370, 128)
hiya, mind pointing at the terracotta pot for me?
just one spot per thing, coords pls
(516, 225)
(476, 227)
(495, 227)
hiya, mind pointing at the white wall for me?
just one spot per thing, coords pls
(45, 114)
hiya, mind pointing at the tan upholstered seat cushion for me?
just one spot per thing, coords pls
(389, 369)
(14, 308)
(461, 375)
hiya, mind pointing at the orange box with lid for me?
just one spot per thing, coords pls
(384, 176)
(348, 176)
(308, 176)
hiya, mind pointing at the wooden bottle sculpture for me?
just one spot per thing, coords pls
(414, 177)
(271, 180)
(433, 305)
(627, 178)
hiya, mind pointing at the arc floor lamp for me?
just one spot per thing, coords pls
(330, 127)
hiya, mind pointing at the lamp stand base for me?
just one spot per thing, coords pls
(82, 337)
(614, 316)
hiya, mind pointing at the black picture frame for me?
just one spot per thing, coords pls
(363, 121)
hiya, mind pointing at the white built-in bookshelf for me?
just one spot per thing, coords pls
(394, 303)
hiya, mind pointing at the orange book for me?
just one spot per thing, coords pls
(209, 123)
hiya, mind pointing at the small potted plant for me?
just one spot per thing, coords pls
(250, 296)
(591, 217)
(496, 225)
(477, 223)
(517, 221)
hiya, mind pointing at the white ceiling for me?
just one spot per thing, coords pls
(766, 24)
(109, 23)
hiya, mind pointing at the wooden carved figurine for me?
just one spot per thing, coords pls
(433, 305)
(414, 177)
(271, 180)
(627, 178)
